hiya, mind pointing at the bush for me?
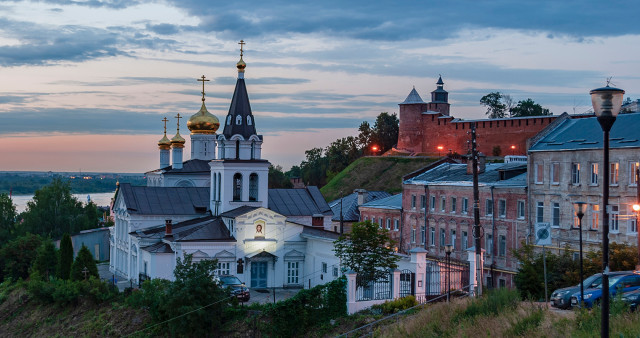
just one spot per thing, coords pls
(83, 261)
(396, 305)
(64, 292)
(491, 304)
(66, 257)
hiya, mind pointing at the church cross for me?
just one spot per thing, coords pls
(178, 117)
(165, 124)
(203, 79)
(85, 272)
(241, 43)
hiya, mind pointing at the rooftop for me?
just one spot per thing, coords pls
(456, 174)
(350, 211)
(165, 200)
(391, 202)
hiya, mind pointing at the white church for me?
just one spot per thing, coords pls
(217, 205)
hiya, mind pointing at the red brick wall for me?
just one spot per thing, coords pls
(423, 133)
(374, 215)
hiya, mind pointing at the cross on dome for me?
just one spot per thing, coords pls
(178, 117)
(203, 79)
(241, 43)
(165, 120)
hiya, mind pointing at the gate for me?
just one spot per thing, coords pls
(443, 276)
(407, 283)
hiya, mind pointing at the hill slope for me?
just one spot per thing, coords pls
(373, 173)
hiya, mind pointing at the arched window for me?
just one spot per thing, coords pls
(253, 150)
(237, 187)
(215, 187)
(237, 149)
(238, 119)
(248, 120)
(253, 187)
(219, 186)
(229, 120)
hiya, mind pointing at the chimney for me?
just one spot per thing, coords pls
(482, 159)
(362, 196)
(167, 228)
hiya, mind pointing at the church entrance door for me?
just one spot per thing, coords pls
(258, 274)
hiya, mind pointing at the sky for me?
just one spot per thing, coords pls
(84, 85)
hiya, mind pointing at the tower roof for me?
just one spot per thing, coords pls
(440, 82)
(240, 121)
(413, 97)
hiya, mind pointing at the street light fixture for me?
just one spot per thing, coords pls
(606, 102)
(440, 148)
(448, 249)
(580, 208)
(513, 150)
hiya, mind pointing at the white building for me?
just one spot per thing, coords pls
(217, 205)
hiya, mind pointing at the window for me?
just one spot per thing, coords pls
(253, 187)
(521, 209)
(433, 203)
(443, 203)
(324, 267)
(223, 268)
(613, 218)
(540, 212)
(575, 173)
(555, 173)
(248, 120)
(453, 238)
(423, 202)
(423, 234)
(613, 173)
(432, 238)
(489, 243)
(380, 222)
(454, 201)
(388, 223)
(633, 167)
(556, 215)
(633, 221)
(465, 205)
(595, 217)
(539, 172)
(502, 208)
(335, 271)
(396, 224)
(413, 201)
(488, 208)
(237, 187)
(413, 235)
(238, 119)
(443, 238)
(502, 283)
(465, 240)
(594, 173)
(293, 272)
(502, 245)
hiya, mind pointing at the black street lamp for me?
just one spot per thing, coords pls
(606, 105)
(580, 208)
(448, 249)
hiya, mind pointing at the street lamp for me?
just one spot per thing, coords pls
(374, 149)
(448, 249)
(440, 150)
(606, 103)
(580, 208)
(636, 209)
(513, 150)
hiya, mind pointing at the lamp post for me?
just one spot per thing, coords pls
(636, 209)
(448, 249)
(374, 149)
(606, 103)
(580, 208)
(513, 150)
(440, 150)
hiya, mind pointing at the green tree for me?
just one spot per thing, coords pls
(528, 108)
(55, 211)
(367, 250)
(66, 257)
(495, 107)
(46, 260)
(365, 135)
(622, 257)
(277, 178)
(84, 260)
(341, 152)
(16, 257)
(562, 271)
(385, 131)
(314, 167)
(7, 218)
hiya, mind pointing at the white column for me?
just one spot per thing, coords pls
(351, 292)
(396, 284)
(419, 259)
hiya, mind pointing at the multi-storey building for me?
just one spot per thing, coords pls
(565, 166)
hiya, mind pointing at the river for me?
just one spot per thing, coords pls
(100, 199)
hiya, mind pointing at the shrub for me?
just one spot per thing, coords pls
(83, 261)
(396, 305)
(46, 260)
(66, 257)
(16, 257)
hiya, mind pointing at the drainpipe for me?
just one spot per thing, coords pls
(426, 204)
(495, 238)
(401, 228)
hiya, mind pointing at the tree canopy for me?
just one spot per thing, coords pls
(84, 260)
(66, 257)
(278, 179)
(46, 260)
(7, 218)
(528, 108)
(367, 250)
(495, 108)
(17, 256)
(498, 105)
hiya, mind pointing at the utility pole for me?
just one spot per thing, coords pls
(476, 211)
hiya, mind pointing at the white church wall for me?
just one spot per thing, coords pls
(318, 256)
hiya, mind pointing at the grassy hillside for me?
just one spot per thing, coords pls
(373, 173)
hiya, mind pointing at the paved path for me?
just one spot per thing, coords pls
(261, 295)
(105, 274)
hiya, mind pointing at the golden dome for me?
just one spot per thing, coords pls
(177, 141)
(241, 65)
(203, 122)
(164, 142)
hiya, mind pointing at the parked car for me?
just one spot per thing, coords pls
(561, 298)
(632, 298)
(617, 283)
(236, 287)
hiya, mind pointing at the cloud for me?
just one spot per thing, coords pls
(114, 4)
(405, 20)
(262, 80)
(164, 28)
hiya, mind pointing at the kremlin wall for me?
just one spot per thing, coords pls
(428, 129)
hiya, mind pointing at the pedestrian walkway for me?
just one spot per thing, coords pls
(265, 295)
(106, 275)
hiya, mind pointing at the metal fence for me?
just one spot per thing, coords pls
(442, 276)
(373, 289)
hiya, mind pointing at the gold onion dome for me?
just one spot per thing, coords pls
(164, 142)
(241, 65)
(177, 140)
(203, 122)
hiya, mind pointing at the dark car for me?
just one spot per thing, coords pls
(561, 298)
(236, 287)
(632, 298)
(617, 284)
